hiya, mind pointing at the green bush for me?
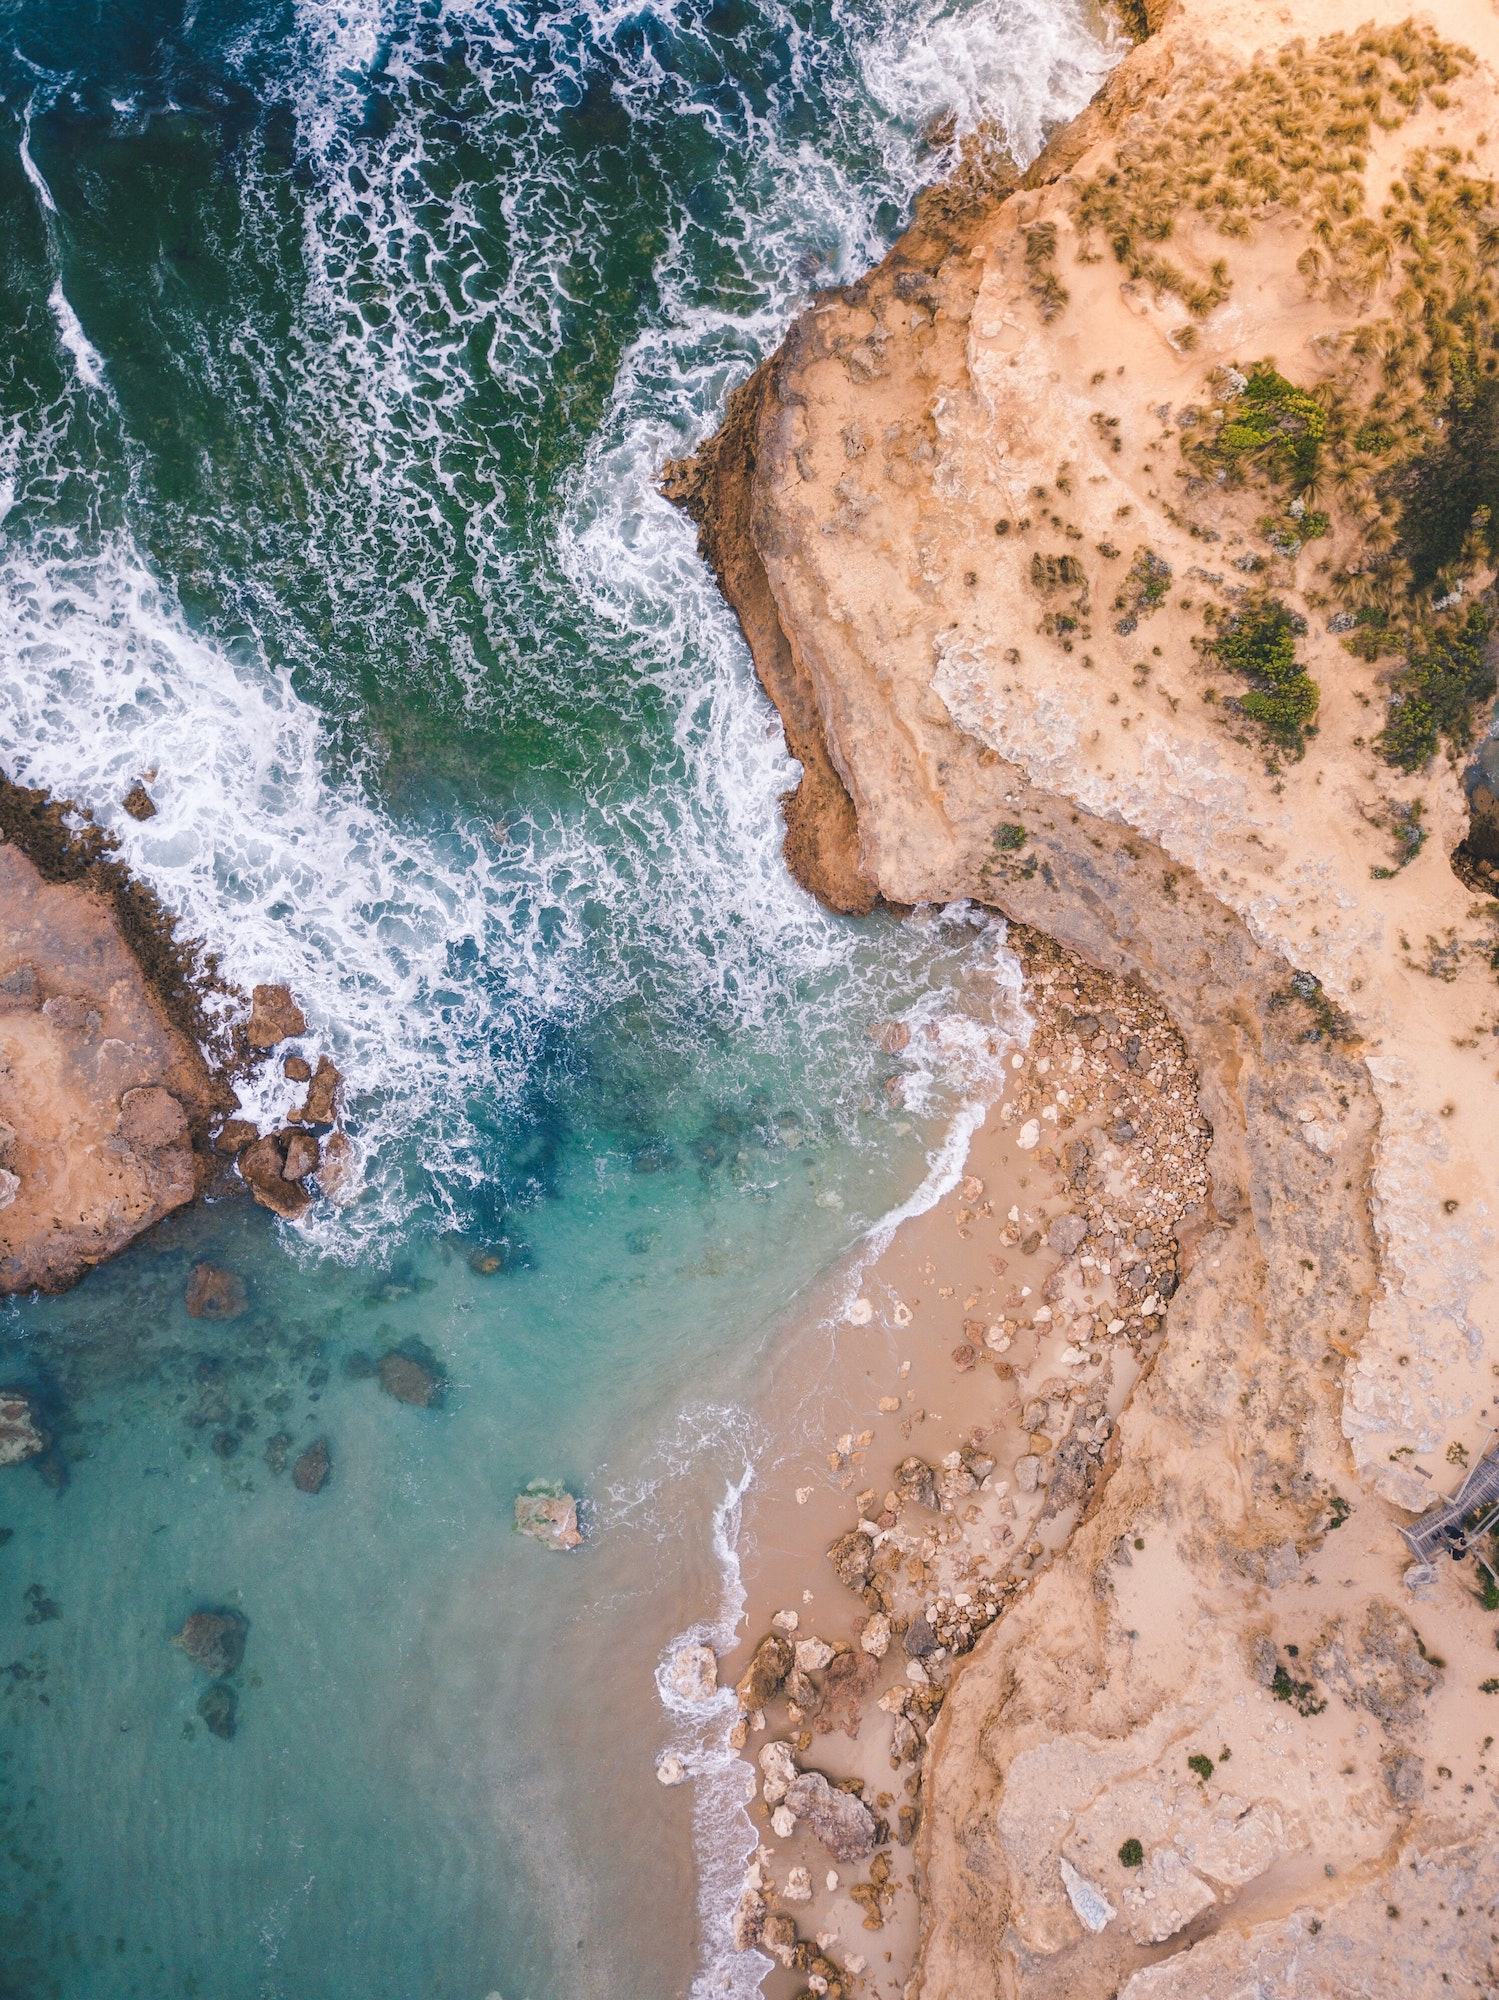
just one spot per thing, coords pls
(1434, 694)
(1009, 837)
(1132, 1854)
(1276, 423)
(1259, 643)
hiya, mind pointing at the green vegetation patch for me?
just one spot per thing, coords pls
(1259, 643)
(1132, 1853)
(1202, 1765)
(1010, 837)
(1434, 694)
(1272, 425)
(1143, 590)
(1301, 1695)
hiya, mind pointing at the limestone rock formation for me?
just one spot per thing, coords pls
(1099, 552)
(100, 1091)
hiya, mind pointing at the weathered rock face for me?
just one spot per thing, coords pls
(99, 1092)
(763, 1678)
(971, 555)
(214, 1641)
(548, 1513)
(842, 1822)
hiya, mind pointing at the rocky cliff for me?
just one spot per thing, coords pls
(105, 1097)
(1120, 554)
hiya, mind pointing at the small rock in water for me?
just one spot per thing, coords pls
(783, 1822)
(226, 1443)
(548, 1514)
(235, 1134)
(670, 1770)
(217, 1706)
(263, 1169)
(749, 1920)
(22, 1433)
(411, 1375)
(335, 1177)
(213, 1293)
(798, 1886)
(139, 803)
(693, 1673)
(786, 1621)
(762, 1679)
(274, 1017)
(843, 1823)
(321, 1107)
(310, 1473)
(297, 1069)
(214, 1641)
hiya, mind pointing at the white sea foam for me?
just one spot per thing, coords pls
(86, 357)
(29, 166)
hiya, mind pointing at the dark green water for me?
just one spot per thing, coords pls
(343, 344)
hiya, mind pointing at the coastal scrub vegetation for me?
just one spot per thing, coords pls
(1258, 642)
(1289, 132)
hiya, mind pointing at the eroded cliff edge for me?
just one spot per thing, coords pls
(1117, 556)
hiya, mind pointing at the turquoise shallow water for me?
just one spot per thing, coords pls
(345, 341)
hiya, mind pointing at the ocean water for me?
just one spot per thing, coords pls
(343, 344)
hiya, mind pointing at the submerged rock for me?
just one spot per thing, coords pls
(213, 1293)
(22, 1432)
(766, 1673)
(843, 1823)
(548, 1513)
(310, 1473)
(214, 1641)
(411, 1375)
(218, 1706)
(278, 1451)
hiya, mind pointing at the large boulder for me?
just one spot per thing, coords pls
(842, 1822)
(766, 1673)
(274, 1017)
(22, 1432)
(692, 1673)
(548, 1513)
(213, 1293)
(214, 1641)
(321, 1107)
(263, 1167)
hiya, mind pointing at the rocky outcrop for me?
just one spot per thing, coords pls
(547, 1513)
(214, 1641)
(102, 1091)
(1011, 533)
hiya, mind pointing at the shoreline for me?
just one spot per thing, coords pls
(918, 565)
(913, 1379)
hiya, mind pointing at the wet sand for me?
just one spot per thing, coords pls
(949, 1416)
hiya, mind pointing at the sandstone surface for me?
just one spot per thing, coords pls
(1000, 523)
(101, 1093)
